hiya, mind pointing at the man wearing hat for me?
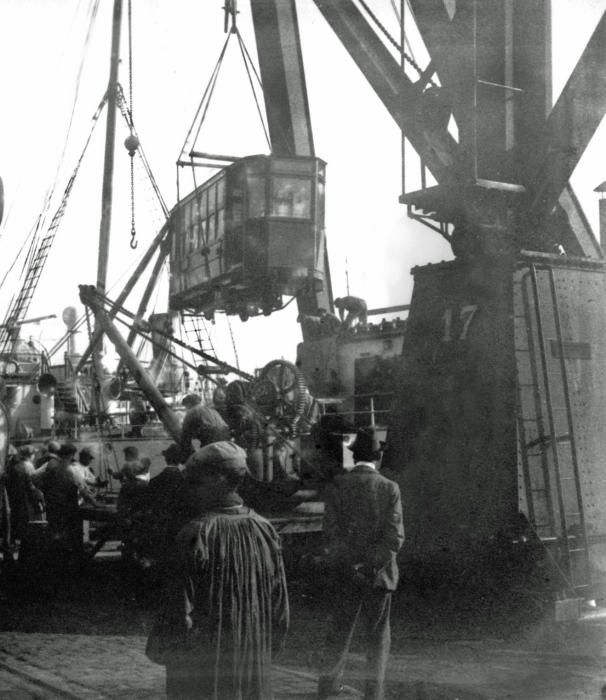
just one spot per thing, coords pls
(164, 509)
(26, 502)
(202, 423)
(134, 477)
(132, 469)
(227, 604)
(363, 531)
(83, 468)
(63, 488)
(48, 452)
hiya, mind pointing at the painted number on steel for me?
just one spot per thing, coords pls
(466, 315)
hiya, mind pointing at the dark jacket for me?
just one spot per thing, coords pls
(363, 524)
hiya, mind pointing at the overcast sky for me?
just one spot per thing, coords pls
(176, 44)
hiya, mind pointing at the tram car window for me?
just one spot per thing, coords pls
(248, 236)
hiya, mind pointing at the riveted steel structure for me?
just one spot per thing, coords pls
(499, 414)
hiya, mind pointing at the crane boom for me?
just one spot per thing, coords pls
(283, 77)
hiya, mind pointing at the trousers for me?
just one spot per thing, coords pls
(372, 608)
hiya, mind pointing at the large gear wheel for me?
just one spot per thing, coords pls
(291, 395)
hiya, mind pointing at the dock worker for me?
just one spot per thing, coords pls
(202, 423)
(363, 533)
(226, 610)
(63, 488)
(83, 466)
(137, 416)
(151, 525)
(133, 467)
(356, 310)
(134, 477)
(164, 510)
(50, 450)
(26, 501)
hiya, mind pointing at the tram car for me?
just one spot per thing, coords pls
(250, 234)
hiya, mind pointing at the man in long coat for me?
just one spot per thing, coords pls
(364, 531)
(227, 606)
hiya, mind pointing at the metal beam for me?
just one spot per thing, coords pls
(149, 289)
(532, 73)
(88, 296)
(121, 298)
(450, 51)
(287, 107)
(110, 137)
(403, 100)
(283, 77)
(580, 228)
(570, 126)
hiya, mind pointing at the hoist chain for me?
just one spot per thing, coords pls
(394, 43)
(133, 231)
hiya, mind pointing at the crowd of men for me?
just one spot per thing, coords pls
(224, 601)
(48, 486)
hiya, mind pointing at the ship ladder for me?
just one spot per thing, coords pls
(197, 335)
(546, 432)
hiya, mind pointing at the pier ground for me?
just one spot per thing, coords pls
(87, 639)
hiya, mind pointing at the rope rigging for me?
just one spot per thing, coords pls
(40, 248)
(32, 237)
(104, 301)
(204, 104)
(126, 113)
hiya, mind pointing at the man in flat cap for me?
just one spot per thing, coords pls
(164, 511)
(227, 607)
(202, 423)
(363, 532)
(62, 487)
(48, 452)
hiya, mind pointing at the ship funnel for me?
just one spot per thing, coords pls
(111, 388)
(47, 384)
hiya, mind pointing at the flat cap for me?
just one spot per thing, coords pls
(172, 454)
(68, 449)
(223, 457)
(53, 447)
(204, 423)
(191, 400)
(131, 452)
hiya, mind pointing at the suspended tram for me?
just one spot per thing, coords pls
(249, 235)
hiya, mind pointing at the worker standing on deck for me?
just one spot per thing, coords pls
(202, 423)
(364, 532)
(134, 477)
(356, 310)
(63, 487)
(26, 501)
(164, 509)
(227, 607)
(84, 469)
(50, 450)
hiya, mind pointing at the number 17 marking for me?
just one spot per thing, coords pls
(466, 317)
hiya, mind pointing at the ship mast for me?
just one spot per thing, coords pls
(108, 168)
